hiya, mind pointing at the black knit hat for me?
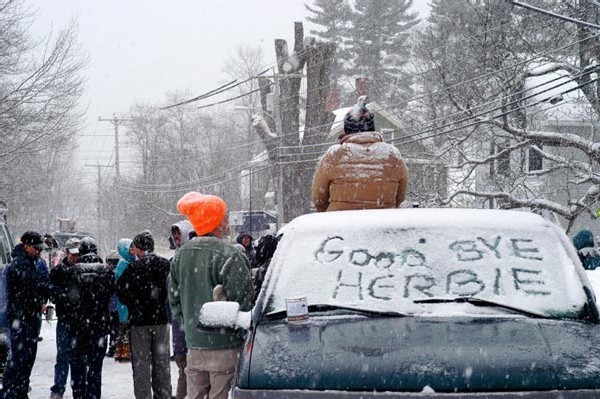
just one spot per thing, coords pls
(34, 239)
(359, 118)
(88, 245)
(144, 241)
(364, 123)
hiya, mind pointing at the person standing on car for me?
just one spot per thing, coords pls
(362, 171)
(122, 348)
(143, 289)
(588, 254)
(27, 289)
(180, 233)
(59, 286)
(197, 268)
(91, 285)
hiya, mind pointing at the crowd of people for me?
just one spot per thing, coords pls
(142, 300)
(132, 307)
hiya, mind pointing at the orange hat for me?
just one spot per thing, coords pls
(205, 212)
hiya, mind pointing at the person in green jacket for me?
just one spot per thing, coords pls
(198, 266)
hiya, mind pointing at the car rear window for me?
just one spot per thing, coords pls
(386, 268)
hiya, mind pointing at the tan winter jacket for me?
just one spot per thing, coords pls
(362, 172)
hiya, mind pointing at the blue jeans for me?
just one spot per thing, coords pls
(22, 335)
(61, 368)
(86, 354)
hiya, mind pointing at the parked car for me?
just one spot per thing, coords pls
(419, 303)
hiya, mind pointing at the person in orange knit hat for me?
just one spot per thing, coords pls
(197, 268)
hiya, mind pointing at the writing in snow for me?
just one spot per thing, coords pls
(461, 268)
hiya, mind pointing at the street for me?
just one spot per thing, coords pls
(117, 380)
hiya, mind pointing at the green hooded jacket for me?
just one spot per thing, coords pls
(198, 266)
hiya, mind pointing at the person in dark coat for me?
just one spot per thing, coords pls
(265, 249)
(91, 285)
(27, 290)
(247, 241)
(143, 289)
(588, 254)
(111, 260)
(59, 286)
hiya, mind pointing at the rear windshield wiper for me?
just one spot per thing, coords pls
(327, 308)
(482, 302)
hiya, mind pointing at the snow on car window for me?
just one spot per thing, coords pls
(384, 260)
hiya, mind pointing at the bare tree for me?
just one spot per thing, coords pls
(490, 87)
(40, 90)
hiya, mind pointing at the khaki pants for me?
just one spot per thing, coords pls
(210, 372)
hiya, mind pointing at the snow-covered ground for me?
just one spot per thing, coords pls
(117, 380)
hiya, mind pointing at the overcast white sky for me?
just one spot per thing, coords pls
(141, 49)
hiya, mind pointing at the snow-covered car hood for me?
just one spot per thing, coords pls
(415, 354)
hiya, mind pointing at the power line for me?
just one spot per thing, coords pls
(218, 90)
(229, 99)
(552, 14)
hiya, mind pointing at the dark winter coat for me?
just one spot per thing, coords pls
(59, 287)
(249, 251)
(27, 288)
(91, 284)
(362, 172)
(264, 252)
(143, 289)
(588, 254)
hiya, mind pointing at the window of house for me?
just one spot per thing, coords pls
(388, 135)
(535, 160)
(503, 161)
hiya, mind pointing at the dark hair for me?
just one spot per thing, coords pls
(144, 241)
(265, 248)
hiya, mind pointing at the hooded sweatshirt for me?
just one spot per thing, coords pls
(185, 227)
(126, 258)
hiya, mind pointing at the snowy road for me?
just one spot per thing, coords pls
(117, 381)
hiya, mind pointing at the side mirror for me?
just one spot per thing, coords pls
(222, 316)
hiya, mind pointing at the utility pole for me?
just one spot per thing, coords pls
(115, 122)
(99, 184)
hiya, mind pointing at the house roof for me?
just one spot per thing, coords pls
(555, 95)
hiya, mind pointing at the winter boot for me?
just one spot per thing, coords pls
(122, 353)
(126, 352)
